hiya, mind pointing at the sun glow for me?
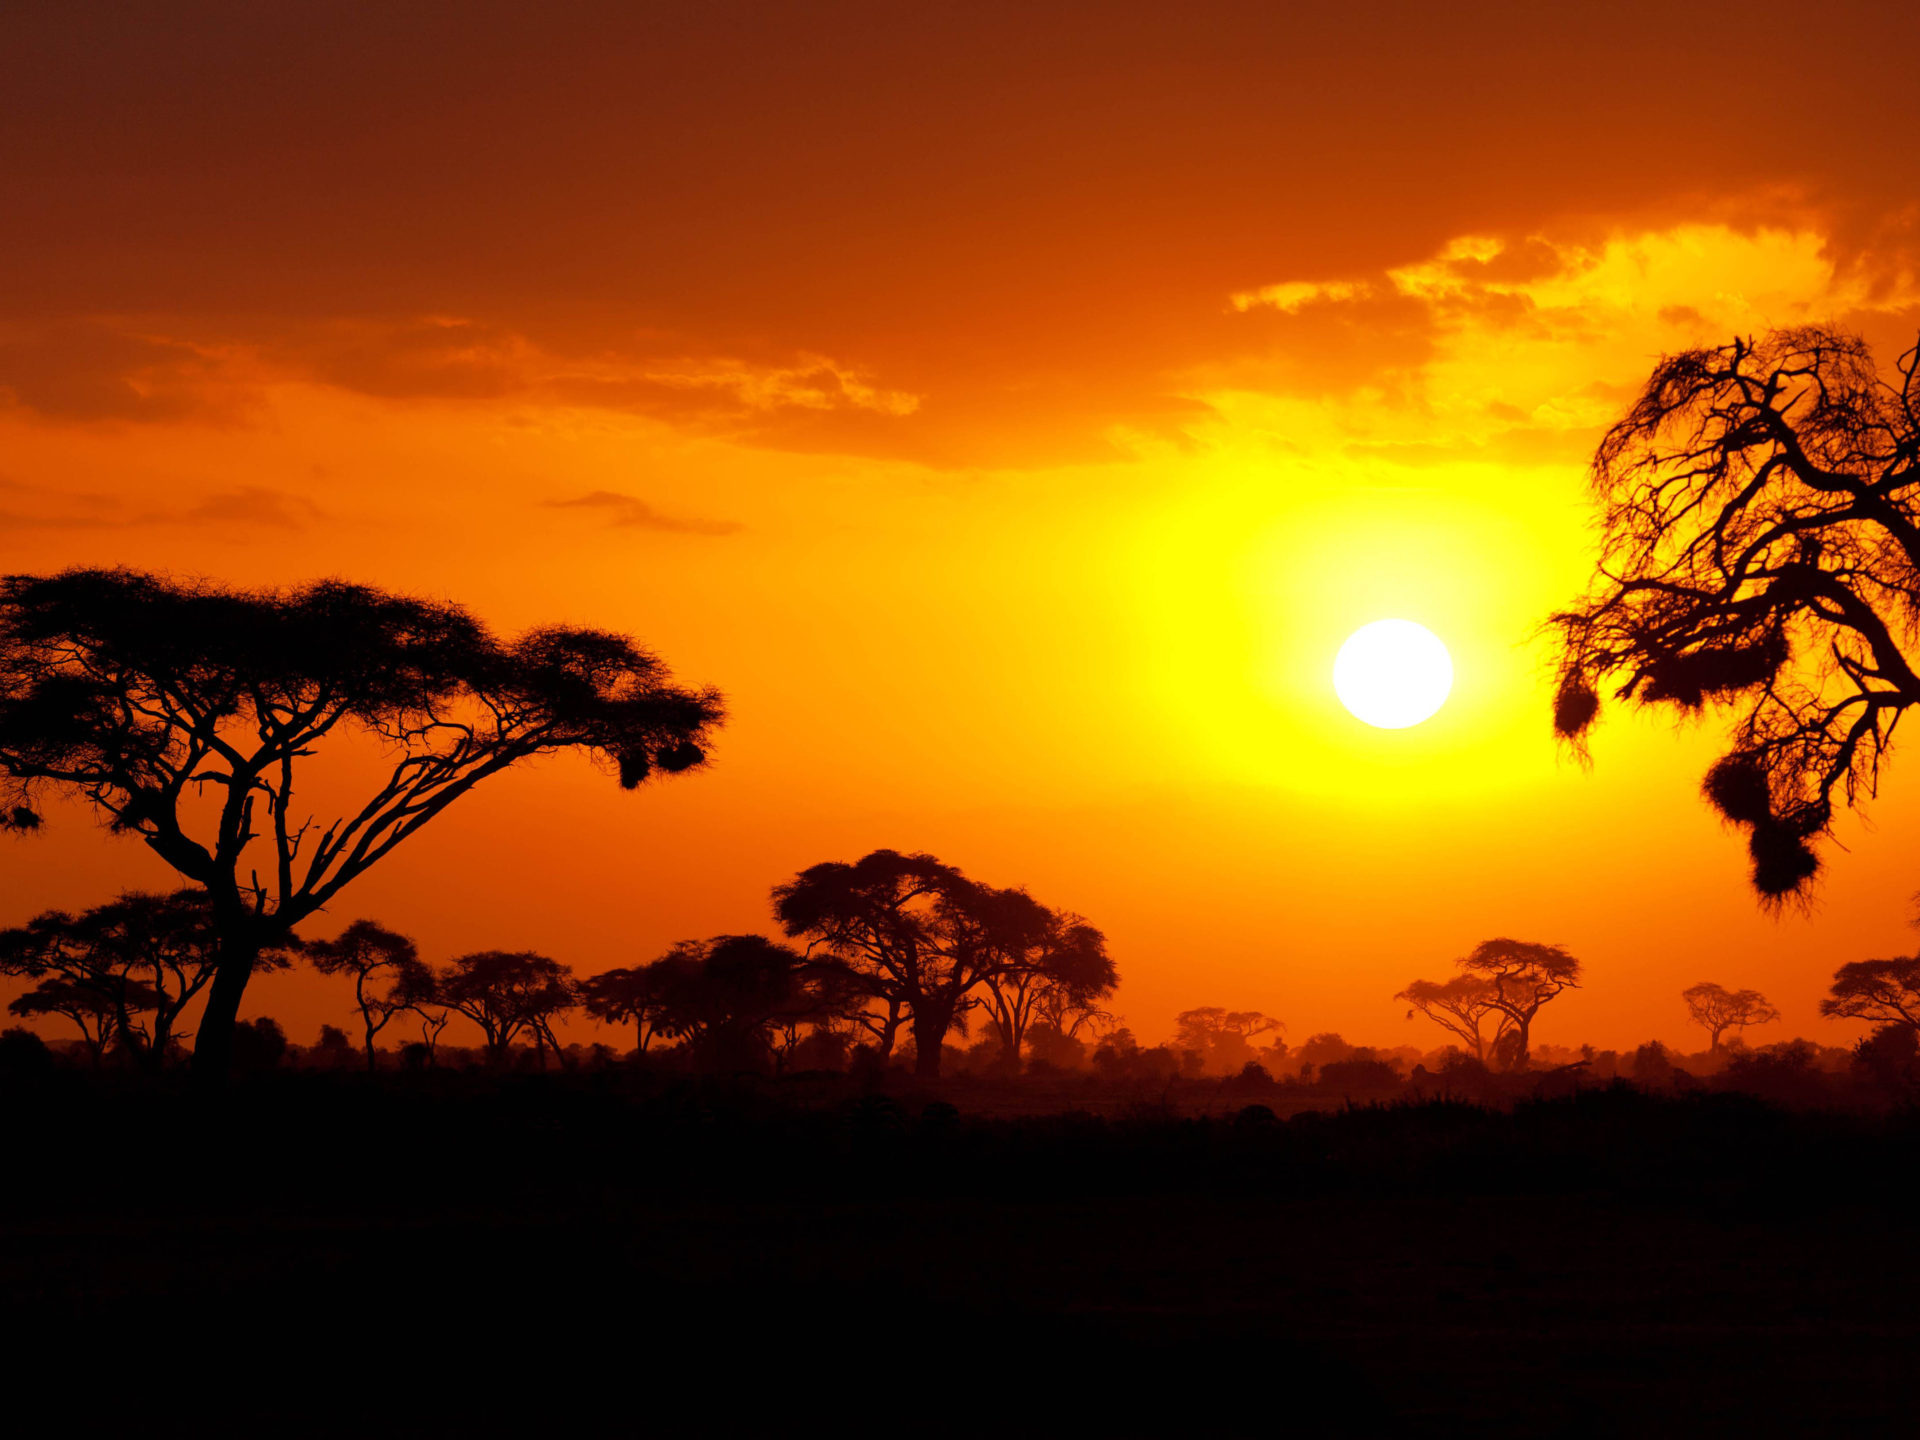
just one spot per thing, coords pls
(1393, 674)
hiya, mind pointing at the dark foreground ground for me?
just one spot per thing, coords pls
(323, 1253)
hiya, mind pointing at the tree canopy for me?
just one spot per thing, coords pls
(1760, 552)
(509, 994)
(1718, 1009)
(388, 974)
(1884, 991)
(1463, 1007)
(184, 712)
(123, 972)
(1523, 976)
(921, 940)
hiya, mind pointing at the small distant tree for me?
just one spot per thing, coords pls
(138, 694)
(258, 1045)
(1886, 992)
(1524, 976)
(1463, 1006)
(388, 974)
(332, 1050)
(1223, 1039)
(125, 972)
(1717, 1010)
(510, 995)
(639, 996)
(95, 1006)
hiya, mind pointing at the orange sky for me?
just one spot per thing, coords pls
(1011, 407)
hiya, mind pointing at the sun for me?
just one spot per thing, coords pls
(1393, 674)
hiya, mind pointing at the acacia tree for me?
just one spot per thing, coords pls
(1717, 1009)
(134, 964)
(735, 994)
(388, 974)
(185, 712)
(1760, 551)
(509, 994)
(637, 996)
(1223, 1039)
(1886, 992)
(1461, 1006)
(915, 936)
(1522, 977)
(96, 1005)
(1055, 969)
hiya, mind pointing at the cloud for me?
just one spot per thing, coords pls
(247, 507)
(1011, 235)
(101, 369)
(250, 505)
(631, 512)
(1521, 349)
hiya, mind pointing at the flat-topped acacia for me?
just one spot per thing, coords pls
(140, 693)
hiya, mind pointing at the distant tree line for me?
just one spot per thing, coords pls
(892, 948)
(892, 942)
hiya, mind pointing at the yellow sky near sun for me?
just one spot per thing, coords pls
(1110, 681)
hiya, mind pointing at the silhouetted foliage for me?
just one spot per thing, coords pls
(637, 996)
(123, 972)
(725, 996)
(920, 939)
(332, 1050)
(510, 995)
(23, 1055)
(1054, 970)
(137, 692)
(1524, 977)
(1361, 1077)
(1223, 1039)
(1717, 1010)
(1461, 1006)
(1761, 539)
(1886, 992)
(388, 974)
(258, 1045)
(1890, 1058)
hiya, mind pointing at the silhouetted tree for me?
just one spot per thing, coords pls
(1461, 1006)
(388, 974)
(881, 919)
(637, 996)
(1221, 1038)
(1760, 543)
(433, 1019)
(138, 693)
(1890, 1058)
(1053, 967)
(915, 935)
(727, 996)
(258, 1045)
(1886, 992)
(133, 965)
(1524, 977)
(509, 995)
(1717, 1010)
(332, 1050)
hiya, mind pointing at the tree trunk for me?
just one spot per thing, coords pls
(213, 1045)
(929, 1030)
(889, 1032)
(1520, 1050)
